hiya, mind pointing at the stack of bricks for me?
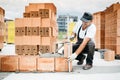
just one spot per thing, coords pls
(37, 31)
(2, 14)
(108, 30)
(99, 21)
(112, 23)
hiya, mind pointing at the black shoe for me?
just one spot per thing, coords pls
(87, 66)
(81, 61)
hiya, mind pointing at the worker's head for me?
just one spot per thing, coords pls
(87, 18)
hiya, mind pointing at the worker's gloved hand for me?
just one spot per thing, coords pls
(72, 57)
(72, 37)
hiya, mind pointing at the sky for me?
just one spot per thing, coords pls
(16, 8)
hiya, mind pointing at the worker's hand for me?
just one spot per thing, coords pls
(72, 57)
(72, 37)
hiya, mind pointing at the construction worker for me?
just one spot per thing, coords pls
(84, 31)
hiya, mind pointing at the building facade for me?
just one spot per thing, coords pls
(64, 20)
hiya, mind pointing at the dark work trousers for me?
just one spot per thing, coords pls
(89, 50)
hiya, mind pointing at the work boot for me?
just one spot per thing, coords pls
(87, 66)
(81, 61)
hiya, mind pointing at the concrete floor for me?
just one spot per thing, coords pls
(102, 70)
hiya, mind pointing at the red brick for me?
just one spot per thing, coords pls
(18, 40)
(0, 60)
(32, 7)
(33, 14)
(19, 22)
(45, 64)
(27, 9)
(27, 22)
(61, 65)
(109, 55)
(28, 63)
(35, 40)
(36, 22)
(26, 15)
(9, 63)
(117, 49)
(46, 22)
(26, 40)
(46, 41)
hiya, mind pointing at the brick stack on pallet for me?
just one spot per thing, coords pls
(37, 31)
(112, 28)
(2, 14)
(108, 21)
(99, 21)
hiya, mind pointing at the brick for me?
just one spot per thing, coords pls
(28, 49)
(46, 22)
(19, 31)
(0, 60)
(29, 31)
(32, 7)
(61, 65)
(27, 22)
(41, 48)
(1, 39)
(35, 40)
(39, 5)
(26, 40)
(33, 14)
(47, 32)
(118, 41)
(51, 7)
(19, 40)
(27, 9)
(34, 49)
(46, 41)
(54, 31)
(45, 64)
(23, 49)
(41, 31)
(9, 63)
(2, 11)
(19, 22)
(118, 13)
(28, 63)
(35, 31)
(117, 49)
(18, 49)
(109, 55)
(118, 28)
(41, 13)
(47, 13)
(45, 48)
(112, 8)
(36, 22)
(26, 15)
